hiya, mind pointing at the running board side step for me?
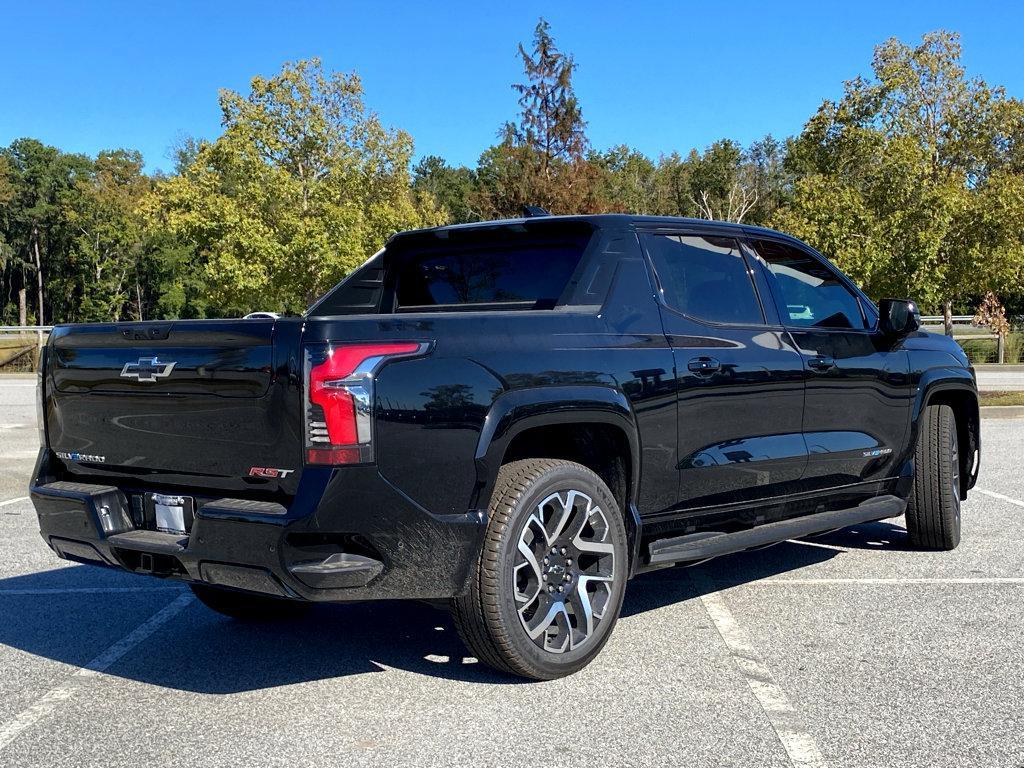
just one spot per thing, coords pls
(708, 544)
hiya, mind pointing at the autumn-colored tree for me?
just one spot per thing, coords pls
(541, 160)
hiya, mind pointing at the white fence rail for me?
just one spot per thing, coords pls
(964, 328)
(21, 343)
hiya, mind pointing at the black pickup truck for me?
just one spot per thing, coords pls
(513, 416)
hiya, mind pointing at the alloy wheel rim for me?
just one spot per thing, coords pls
(564, 571)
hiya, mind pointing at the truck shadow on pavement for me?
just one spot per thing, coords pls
(200, 651)
(661, 588)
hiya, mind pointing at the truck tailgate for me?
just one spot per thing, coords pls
(207, 399)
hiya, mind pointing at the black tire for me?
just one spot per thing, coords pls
(586, 525)
(933, 513)
(248, 607)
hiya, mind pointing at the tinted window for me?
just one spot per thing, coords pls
(491, 267)
(812, 295)
(705, 277)
(359, 293)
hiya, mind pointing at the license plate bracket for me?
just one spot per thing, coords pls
(170, 513)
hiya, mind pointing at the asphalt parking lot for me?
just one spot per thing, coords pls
(848, 650)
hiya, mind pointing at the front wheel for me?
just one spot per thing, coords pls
(933, 513)
(549, 582)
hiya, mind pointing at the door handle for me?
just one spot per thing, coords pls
(821, 364)
(704, 365)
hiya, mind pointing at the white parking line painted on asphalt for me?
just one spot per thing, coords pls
(7, 502)
(86, 590)
(798, 743)
(894, 581)
(50, 701)
(997, 495)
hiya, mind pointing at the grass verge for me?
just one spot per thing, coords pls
(1002, 398)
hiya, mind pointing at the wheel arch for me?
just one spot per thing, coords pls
(960, 394)
(593, 425)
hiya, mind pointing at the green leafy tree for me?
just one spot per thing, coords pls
(108, 237)
(628, 180)
(673, 186)
(900, 179)
(301, 187)
(40, 181)
(452, 188)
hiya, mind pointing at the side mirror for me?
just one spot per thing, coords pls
(898, 317)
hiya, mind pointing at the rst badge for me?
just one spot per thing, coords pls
(147, 369)
(269, 472)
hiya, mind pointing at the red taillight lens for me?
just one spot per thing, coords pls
(339, 398)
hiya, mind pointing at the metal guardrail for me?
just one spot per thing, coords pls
(25, 329)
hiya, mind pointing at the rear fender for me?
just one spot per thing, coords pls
(518, 410)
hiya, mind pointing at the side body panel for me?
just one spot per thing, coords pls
(856, 412)
(857, 404)
(441, 421)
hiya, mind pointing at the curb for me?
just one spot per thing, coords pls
(1013, 368)
(1002, 412)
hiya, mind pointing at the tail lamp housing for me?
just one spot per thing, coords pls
(339, 398)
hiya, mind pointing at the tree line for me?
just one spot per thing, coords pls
(912, 182)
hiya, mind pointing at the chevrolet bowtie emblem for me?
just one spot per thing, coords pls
(147, 369)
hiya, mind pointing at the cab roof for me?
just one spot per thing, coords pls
(608, 221)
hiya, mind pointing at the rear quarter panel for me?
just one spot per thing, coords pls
(431, 412)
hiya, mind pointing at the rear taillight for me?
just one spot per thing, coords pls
(339, 398)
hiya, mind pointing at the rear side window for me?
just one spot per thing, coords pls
(812, 295)
(705, 277)
(509, 267)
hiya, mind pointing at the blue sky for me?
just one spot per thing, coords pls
(657, 76)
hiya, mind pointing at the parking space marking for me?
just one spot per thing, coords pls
(1002, 497)
(50, 701)
(798, 743)
(86, 590)
(893, 581)
(7, 502)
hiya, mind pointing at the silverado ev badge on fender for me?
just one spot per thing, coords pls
(513, 416)
(147, 369)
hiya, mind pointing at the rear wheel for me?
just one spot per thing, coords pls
(933, 513)
(249, 607)
(550, 579)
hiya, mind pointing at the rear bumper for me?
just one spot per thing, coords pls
(347, 535)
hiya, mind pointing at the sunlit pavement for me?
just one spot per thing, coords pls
(996, 378)
(846, 650)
